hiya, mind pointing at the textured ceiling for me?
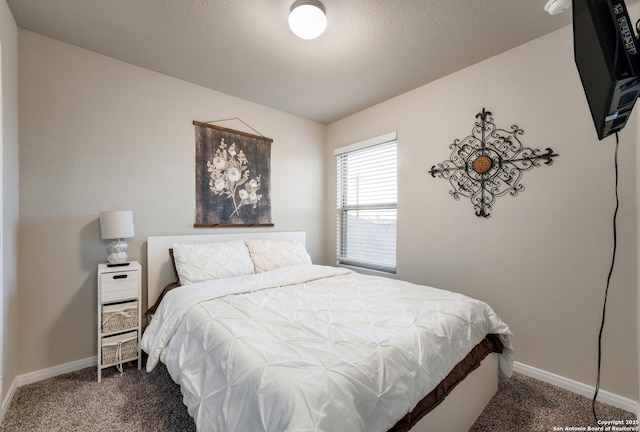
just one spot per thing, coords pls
(372, 49)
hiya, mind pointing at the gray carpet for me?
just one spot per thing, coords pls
(526, 404)
(138, 401)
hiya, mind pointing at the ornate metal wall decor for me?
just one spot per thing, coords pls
(489, 163)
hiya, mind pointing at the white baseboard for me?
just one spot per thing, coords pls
(578, 387)
(51, 372)
(6, 401)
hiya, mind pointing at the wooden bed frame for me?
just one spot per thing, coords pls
(457, 412)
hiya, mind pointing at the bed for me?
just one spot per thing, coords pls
(275, 343)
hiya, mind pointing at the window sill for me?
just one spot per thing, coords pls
(371, 272)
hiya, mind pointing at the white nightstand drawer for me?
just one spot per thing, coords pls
(119, 286)
(127, 293)
(119, 277)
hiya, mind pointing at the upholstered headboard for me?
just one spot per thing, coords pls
(159, 269)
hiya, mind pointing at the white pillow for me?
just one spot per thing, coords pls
(204, 261)
(273, 254)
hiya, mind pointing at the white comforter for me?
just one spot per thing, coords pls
(313, 348)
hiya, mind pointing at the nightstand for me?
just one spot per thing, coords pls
(119, 315)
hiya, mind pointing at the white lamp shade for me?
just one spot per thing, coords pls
(116, 224)
(307, 19)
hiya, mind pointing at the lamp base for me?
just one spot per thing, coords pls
(118, 249)
(118, 264)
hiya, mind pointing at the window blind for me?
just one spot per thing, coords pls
(367, 204)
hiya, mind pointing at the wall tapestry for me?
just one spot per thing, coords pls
(233, 178)
(489, 163)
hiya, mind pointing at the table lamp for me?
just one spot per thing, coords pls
(117, 225)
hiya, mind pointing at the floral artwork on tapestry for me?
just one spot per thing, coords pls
(233, 186)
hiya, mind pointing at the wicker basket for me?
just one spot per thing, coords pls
(120, 348)
(119, 317)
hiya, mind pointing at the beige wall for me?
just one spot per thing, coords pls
(9, 201)
(542, 259)
(99, 134)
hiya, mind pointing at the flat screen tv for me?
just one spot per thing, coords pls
(607, 56)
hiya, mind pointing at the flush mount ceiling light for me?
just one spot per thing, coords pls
(555, 7)
(307, 19)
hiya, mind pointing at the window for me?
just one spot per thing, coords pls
(367, 204)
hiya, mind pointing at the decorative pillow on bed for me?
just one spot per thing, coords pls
(273, 254)
(204, 261)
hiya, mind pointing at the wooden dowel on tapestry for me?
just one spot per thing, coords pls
(220, 128)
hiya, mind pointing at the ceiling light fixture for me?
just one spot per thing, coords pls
(307, 19)
(555, 7)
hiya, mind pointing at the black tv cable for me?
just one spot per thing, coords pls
(606, 291)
